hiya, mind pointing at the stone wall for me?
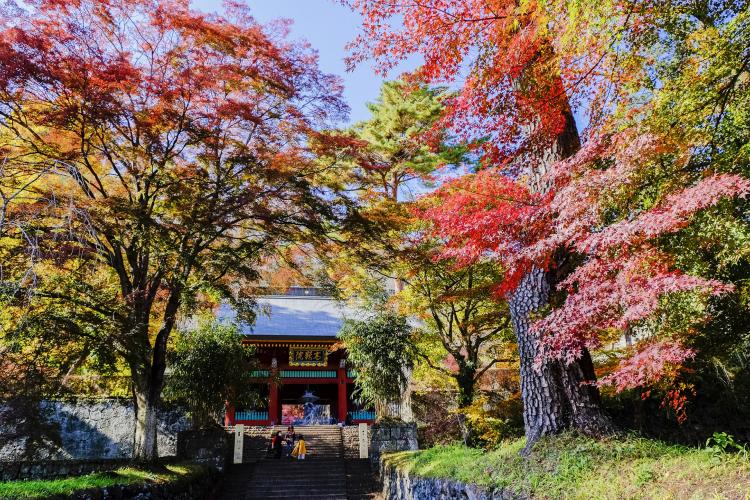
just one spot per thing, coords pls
(94, 429)
(400, 485)
(211, 447)
(52, 469)
(391, 436)
(350, 436)
(199, 486)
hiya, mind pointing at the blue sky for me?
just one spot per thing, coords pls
(328, 26)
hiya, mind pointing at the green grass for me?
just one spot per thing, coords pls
(570, 466)
(123, 476)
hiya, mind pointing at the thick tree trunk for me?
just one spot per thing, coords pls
(405, 412)
(556, 396)
(146, 423)
(543, 400)
(147, 367)
(466, 385)
(147, 386)
(579, 386)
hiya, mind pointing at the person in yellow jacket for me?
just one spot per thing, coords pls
(300, 449)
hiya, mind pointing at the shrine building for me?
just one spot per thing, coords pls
(303, 374)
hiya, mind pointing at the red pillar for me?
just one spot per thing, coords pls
(343, 401)
(229, 415)
(273, 403)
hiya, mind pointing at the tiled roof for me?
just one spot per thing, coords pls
(293, 316)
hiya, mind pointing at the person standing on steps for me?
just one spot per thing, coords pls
(271, 441)
(300, 449)
(277, 443)
(289, 439)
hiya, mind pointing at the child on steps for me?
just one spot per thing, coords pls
(300, 449)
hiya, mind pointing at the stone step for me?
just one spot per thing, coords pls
(312, 472)
(337, 488)
(306, 465)
(288, 486)
(322, 475)
(300, 493)
(264, 492)
(298, 496)
(360, 483)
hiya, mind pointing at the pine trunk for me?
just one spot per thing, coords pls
(556, 396)
(543, 400)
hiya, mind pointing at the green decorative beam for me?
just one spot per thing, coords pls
(308, 373)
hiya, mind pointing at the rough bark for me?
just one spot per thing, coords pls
(583, 399)
(556, 396)
(543, 400)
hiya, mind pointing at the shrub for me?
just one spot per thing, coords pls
(494, 419)
(210, 366)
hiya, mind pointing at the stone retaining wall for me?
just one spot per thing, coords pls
(350, 435)
(201, 486)
(400, 485)
(52, 469)
(391, 436)
(211, 447)
(98, 429)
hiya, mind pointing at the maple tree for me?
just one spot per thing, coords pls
(176, 146)
(582, 227)
(457, 311)
(514, 99)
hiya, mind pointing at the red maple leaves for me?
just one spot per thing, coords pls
(622, 276)
(519, 66)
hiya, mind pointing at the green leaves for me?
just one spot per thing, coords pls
(381, 350)
(210, 366)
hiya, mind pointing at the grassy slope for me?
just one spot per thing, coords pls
(575, 467)
(125, 475)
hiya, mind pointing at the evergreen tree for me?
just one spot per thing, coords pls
(398, 144)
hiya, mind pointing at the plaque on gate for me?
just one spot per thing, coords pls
(308, 356)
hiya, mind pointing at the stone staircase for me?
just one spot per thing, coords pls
(324, 474)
